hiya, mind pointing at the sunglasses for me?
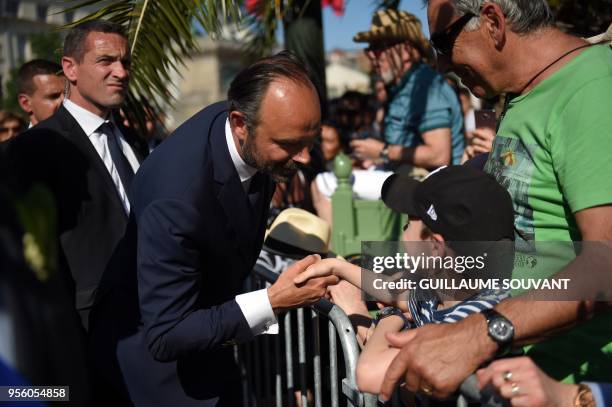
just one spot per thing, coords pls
(444, 41)
(378, 47)
(7, 129)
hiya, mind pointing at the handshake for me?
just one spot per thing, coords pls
(303, 283)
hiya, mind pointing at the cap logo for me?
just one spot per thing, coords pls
(432, 212)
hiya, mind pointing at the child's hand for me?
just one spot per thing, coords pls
(348, 297)
(322, 268)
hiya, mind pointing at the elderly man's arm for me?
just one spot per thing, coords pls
(433, 153)
(440, 357)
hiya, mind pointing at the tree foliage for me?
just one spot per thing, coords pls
(160, 37)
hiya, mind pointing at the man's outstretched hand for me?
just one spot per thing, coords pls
(284, 294)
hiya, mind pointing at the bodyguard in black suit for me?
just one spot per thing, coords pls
(91, 216)
(87, 160)
(85, 157)
(200, 203)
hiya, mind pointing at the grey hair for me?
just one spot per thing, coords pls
(524, 16)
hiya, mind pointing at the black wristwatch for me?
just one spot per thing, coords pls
(384, 154)
(500, 329)
(389, 311)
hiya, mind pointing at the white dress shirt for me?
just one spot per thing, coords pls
(90, 123)
(255, 306)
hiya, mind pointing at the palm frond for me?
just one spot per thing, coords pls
(161, 37)
(261, 29)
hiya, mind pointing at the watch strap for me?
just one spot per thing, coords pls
(390, 311)
(504, 348)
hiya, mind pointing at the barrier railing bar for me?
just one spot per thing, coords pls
(268, 367)
(317, 359)
(302, 358)
(333, 363)
(289, 359)
(278, 380)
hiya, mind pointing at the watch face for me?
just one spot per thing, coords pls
(501, 330)
(385, 312)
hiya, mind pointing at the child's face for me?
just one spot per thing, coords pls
(413, 231)
(417, 237)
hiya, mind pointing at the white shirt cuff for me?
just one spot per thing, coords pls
(256, 308)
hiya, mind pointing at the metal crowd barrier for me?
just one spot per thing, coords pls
(277, 371)
(271, 376)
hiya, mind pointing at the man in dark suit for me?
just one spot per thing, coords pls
(200, 203)
(40, 334)
(84, 157)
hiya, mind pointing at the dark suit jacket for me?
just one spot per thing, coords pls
(46, 331)
(91, 218)
(198, 238)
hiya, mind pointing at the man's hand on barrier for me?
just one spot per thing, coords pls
(435, 359)
(285, 294)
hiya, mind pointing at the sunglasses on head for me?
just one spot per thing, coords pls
(444, 41)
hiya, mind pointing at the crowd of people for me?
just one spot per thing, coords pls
(124, 257)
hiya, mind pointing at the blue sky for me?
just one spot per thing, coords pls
(338, 31)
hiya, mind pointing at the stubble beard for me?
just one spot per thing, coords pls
(280, 172)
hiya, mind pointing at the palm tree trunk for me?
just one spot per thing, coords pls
(303, 28)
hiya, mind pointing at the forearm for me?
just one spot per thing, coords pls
(348, 272)
(201, 330)
(361, 324)
(424, 156)
(377, 356)
(536, 320)
(376, 286)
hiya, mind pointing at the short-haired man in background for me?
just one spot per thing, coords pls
(84, 157)
(40, 89)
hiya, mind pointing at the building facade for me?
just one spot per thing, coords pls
(19, 19)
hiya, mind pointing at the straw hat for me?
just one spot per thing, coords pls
(299, 228)
(604, 37)
(394, 25)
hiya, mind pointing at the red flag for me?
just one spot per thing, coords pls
(252, 6)
(336, 5)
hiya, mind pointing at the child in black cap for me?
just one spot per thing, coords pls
(455, 204)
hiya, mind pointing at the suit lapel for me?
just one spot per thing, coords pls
(230, 192)
(75, 133)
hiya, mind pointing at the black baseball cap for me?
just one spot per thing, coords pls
(461, 203)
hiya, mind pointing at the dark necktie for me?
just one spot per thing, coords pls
(255, 188)
(126, 173)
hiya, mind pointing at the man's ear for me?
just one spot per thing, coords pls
(24, 103)
(438, 244)
(495, 23)
(239, 126)
(69, 67)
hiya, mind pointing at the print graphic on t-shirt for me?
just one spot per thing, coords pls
(511, 163)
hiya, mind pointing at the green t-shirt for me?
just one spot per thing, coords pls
(553, 153)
